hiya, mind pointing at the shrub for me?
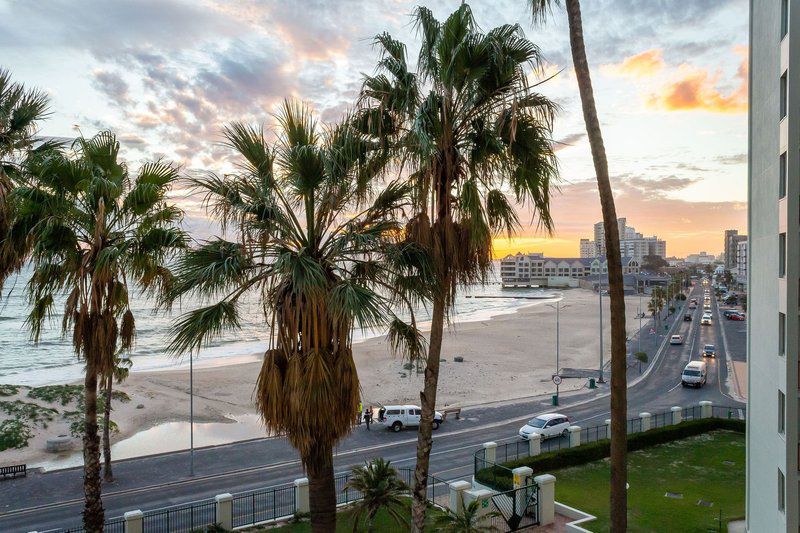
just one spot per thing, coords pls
(8, 390)
(27, 411)
(13, 434)
(62, 394)
(499, 477)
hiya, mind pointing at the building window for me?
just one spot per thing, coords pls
(781, 334)
(781, 491)
(784, 18)
(782, 254)
(782, 176)
(781, 412)
(783, 96)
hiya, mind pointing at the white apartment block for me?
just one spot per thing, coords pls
(702, 258)
(741, 262)
(536, 269)
(587, 248)
(774, 266)
(632, 243)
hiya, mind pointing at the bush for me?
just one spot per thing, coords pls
(32, 412)
(62, 394)
(13, 434)
(8, 390)
(500, 478)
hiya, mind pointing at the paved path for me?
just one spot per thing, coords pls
(45, 501)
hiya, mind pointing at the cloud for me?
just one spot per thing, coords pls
(658, 186)
(735, 159)
(692, 88)
(111, 85)
(641, 65)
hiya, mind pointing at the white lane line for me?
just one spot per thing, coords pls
(675, 387)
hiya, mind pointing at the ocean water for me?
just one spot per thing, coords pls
(52, 360)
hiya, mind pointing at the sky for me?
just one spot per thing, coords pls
(669, 76)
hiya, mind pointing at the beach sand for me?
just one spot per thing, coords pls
(509, 356)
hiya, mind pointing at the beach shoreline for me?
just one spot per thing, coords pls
(508, 356)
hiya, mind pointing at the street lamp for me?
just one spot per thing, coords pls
(558, 340)
(191, 415)
(600, 292)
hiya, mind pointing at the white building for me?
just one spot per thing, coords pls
(702, 258)
(587, 248)
(631, 243)
(536, 269)
(741, 262)
(774, 269)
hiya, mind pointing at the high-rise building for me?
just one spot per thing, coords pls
(732, 238)
(631, 243)
(774, 270)
(741, 261)
(600, 235)
(588, 248)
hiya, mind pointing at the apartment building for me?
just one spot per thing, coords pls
(741, 262)
(631, 243)
(536, 269)
(732, 239)
(774, 266)
(587, 248)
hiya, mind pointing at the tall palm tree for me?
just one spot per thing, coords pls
(380, 488)
(470, 136)
(89, 229)
(469, 519)
(122, 366)
(540, 9)
(21, 110)
(313, 250)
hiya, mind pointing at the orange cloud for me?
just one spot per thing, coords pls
(695, 89)
(642, 65)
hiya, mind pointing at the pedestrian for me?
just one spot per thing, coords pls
(358, 413)
(368, 418)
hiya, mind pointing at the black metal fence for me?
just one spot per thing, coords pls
(262, 505)
(519, 449)
(180, 519)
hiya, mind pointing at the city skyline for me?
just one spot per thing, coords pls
(672, 101)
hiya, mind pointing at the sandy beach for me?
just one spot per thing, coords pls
(508, 356)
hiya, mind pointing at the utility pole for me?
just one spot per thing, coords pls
(600, 293)
(191, 415)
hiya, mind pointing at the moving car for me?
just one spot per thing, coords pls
(676, 339)
(396, 417)
(709, 350)
(706, 320)
(549, 425)
(694, 375)
(687, 317)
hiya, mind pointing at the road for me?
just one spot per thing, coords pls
(50, 500)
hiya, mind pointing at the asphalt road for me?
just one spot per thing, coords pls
(51, 500)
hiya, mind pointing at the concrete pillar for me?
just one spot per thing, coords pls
(224, 510)
(490, 452)
(483, 497)
(534, 445)
(133, 521)
(677, 414)
(457, 489)
(608, 428)
(645, 418)
(574, 436)
(705, 409)
(547, 498)
(301, 501)
(522, 478)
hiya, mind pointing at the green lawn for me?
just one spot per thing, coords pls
(344, 523)
(694, 467)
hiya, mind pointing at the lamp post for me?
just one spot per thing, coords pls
(558, 340)
(191, 415)
(600, 293)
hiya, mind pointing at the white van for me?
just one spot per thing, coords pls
(694, 375)
(396, 417)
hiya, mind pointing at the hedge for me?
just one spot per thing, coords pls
(500, 478)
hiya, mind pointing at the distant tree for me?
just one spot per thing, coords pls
(709, 268)
(654, 263)
(642, 358)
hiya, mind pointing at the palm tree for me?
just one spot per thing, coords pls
(89, 229)
(314, 251)
(122, 366)
(467, 131)
(468, 520)
(540, 9)
(380, 488)
(21, 110)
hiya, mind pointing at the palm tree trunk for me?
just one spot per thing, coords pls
(108, 476)
(321, 488)
(619, 401)
(428, 404)
(93, 516)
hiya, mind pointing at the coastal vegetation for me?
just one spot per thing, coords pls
(466, 126)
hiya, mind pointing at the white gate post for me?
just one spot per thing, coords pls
(574, 436)
(547, 498)
(490, 452)
(301, 501)
(608, 428)
(457, 489)
(224, 510)
(133, 521)
(677, 414)
(534, 444)
(645, 418)
(705, 409)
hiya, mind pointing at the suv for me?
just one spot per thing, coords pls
(396, 417)
(549, 425)
(709, 350)
(676, 339)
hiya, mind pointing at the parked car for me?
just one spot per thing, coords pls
(728, 312)
(737, 316)
(694, 374)
(396, 417)
(676, 339)
(709, 350)
(687, 317)
(549, 425)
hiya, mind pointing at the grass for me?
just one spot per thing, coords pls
(344, 522)
(694, 467)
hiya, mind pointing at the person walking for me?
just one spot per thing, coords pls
(358, 413)
(368, 417)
